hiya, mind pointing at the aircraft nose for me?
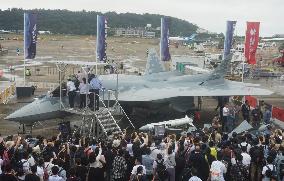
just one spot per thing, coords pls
(14, 116)
(22, 113)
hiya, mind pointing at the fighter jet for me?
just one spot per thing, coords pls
(184, 39)
(156, 88)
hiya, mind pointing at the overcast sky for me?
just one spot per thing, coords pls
(208, 14)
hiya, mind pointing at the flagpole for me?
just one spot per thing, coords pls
(24, 50)
(161, 40)
(243, 69)
(97, 42)
(244, 57)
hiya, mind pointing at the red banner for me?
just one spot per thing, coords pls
(278, 113)
(251, 42)
(252, 101)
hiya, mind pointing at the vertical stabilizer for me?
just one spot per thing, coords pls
(153, 65)
(222, 69)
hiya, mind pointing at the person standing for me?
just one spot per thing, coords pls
(267, 115)
(83, 92)
(225, 123)
(246, 110)
(197, 160)
(148, 161)
(95, 86)
(32, 176)
(119, 167)
(170, 163)
(256, 116)
(71, 90)
(18, 51)
(54, 176)
(199, 101)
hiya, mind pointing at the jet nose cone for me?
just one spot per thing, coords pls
(14, 116)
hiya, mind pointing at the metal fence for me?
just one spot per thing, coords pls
(7, 93)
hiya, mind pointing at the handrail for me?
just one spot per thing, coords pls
(116, 102)
(6, 94)
(109, 113)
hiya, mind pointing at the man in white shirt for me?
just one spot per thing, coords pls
(54, 176)
(218, 168)
(26, 164)
(226, 113)
(246, 157)
(244, 144)
(84, 90)
(71, 92)
(138, 164)
(270, 167)
(194, 177)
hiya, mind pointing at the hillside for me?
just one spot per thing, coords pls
(84, 22)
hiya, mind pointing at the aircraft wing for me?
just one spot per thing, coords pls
(164, 91)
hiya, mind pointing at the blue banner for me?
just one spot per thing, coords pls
(164, 42)
(101, 38)
(30, 35)
(229, 38)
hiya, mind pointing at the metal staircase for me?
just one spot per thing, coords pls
(107, 122)
(103, 119)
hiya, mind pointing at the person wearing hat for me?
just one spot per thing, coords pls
(71, 92)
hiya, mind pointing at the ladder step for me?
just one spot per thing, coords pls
(115, 132)
(112, 129)
(106, 121)
(103, 117)
(109, 125)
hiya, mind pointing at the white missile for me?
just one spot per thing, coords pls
(170, 123)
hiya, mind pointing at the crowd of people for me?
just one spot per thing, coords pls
(207, 154)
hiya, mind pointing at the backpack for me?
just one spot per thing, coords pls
(240, 173)
(45, 173)
(244, 147)
(161, 170)
(215, 174)
(272, 174)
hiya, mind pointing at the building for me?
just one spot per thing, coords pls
(134, 32)
(278, 36)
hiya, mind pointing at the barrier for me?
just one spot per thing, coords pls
(7, 93)
(253, 102)
(40, 85)
(278, 113)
